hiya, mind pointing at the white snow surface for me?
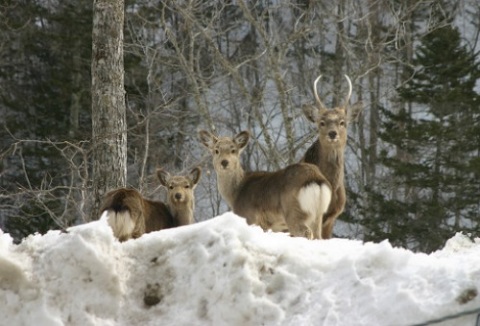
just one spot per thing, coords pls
(224, 272)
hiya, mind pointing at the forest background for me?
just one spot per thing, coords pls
(412, 163)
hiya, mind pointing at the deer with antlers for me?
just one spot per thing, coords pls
(294, 198)
(130, 215)
(328, 151)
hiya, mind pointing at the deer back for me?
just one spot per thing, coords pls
(157, 216)
(275, 191)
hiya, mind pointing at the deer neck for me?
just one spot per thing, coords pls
(229, 183)
(183, 213)
(331, 163)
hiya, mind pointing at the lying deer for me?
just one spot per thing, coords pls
(328, 151)
(293, 199)
(130, 215)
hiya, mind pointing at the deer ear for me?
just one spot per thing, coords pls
(241, 139)
(163, 176)
(195, 175)
(207, 138)
(355, 110)
(311, 112)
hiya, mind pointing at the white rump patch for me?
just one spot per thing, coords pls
(121, 223)
(104, 216)
(314, 199)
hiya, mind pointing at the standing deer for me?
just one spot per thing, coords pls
(328, 151)
(293, 199)
(130, 215)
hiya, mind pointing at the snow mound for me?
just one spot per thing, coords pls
(224, 272)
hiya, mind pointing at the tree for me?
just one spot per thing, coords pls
(45, 115)
(440, 191)
(203, 64)
(108, 100)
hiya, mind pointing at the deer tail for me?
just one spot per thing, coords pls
(119, 214)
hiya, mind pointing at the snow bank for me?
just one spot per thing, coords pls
(223, 272)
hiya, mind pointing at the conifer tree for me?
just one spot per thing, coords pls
(435, 176)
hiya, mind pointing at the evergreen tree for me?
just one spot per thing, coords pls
(44, 98)
(434, 164)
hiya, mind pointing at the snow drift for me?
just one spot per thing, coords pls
(223, 272)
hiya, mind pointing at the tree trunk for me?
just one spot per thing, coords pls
(108, 100)
(75, 105)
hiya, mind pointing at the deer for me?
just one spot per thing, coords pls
(292, 199)
(130, 215)
(328, 151)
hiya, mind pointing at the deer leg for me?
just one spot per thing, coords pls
(327, 227)
(317, 228)
(301, 231)
(336, 208)
(296, 221)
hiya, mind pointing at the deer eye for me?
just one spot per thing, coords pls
(342, 123)
(216, 151)
(233, 151)
(171, 187)
(187, 186)
(322, 123)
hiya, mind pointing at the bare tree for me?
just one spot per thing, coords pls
(108, 100)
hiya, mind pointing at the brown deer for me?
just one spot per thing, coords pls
(328, 151)
(130, 215)
(294, 198)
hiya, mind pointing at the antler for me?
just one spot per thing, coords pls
(320, 104)
(347, 98)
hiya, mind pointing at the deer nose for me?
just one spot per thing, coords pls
(224, 163)
(178, 196)
(332, 134)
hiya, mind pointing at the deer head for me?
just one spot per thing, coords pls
(331, 123)
(179, 188)
(225, 150)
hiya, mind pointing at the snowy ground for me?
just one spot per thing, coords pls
(223, 272)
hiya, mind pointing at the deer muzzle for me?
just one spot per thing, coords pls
(332, 136)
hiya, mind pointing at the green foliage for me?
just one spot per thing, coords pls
(46, 75)
(31, 217)
(432, 159)
(232, 66)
